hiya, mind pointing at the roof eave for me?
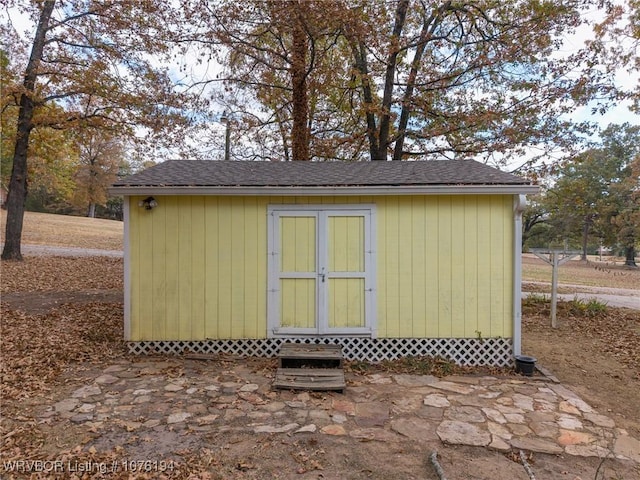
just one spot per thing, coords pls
(503, 189)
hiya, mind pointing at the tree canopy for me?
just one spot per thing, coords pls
(402, 79)
(300, 80)
(90, 65)
(100, 158)
(595, 195)
(617, 45)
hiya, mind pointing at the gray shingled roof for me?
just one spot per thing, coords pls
(197, 173)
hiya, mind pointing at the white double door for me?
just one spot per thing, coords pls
(321, 270)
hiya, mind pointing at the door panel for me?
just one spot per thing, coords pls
(298, 244)
(320, 270)
(346, 303)
(346, 275)
(297, 272)
(345, 239)
(298, 302)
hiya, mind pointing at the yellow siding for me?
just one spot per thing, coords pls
(226, 277)
(458, 267)
(471, 257)
(418, 276)
(159, 288)
(445, 259)
(432, 265)
(172, 282)
(212, 293)
(198, 267)
(388, 281)
(405, 266)
(252, 270)
(194, 242)
(445, 266)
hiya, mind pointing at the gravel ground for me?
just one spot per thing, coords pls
(613, 297)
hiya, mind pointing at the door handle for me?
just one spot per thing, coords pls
(322, 275)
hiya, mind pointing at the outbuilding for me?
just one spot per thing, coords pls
(387, 259)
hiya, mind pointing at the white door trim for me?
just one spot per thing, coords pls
(321, 213)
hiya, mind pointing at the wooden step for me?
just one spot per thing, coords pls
(296, 355)
(316, 379)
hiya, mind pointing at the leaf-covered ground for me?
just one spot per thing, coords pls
(36, 349)
(610, 272)
(616, 331)
(62, 274)
(69, 231)
(596, 351)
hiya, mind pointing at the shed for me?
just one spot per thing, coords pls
(387, 259)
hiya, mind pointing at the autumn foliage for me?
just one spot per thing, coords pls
(401, 80)
(301, 80)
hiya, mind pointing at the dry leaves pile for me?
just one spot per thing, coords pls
(425, 365)
(37, 348)
(616, 331)
(62, 274)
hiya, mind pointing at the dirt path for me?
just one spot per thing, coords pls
(54, 251)
(37, 303)
(626, 292)
(620, 300)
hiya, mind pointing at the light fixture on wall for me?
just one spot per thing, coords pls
(148, 203)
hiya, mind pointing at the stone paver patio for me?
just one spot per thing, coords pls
(537, 415)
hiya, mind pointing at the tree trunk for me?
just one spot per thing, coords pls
(389, 80)
(630, 254)
(300, 129)
(359, 52)
(586, 227)
(18, 183)
(284, 137)
(428, 28)
(91, 211)
(408, 95)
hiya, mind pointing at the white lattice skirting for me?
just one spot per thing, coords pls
(462, 351)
